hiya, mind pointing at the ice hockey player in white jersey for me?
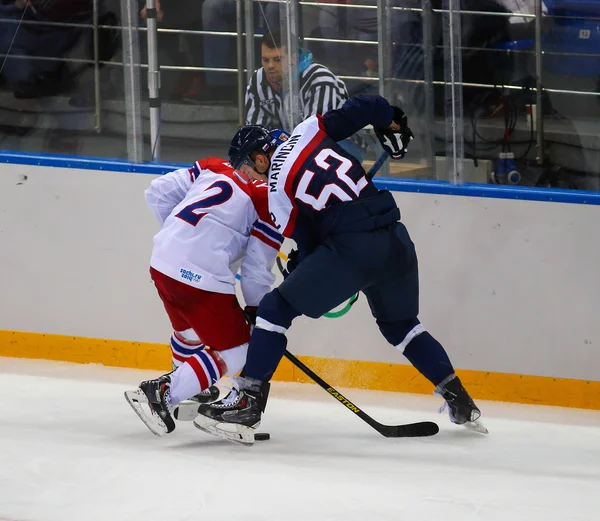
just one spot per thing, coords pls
(214, 222)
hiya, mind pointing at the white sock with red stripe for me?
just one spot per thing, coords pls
(203, 369)
(183, 345)
(198, 373)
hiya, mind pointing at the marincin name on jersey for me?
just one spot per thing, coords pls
(278, 159)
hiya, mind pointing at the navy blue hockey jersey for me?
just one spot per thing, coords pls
(311, 175)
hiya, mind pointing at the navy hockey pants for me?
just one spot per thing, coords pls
(380, 263)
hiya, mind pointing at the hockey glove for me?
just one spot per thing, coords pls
(395, 142)
(292, 263)
(250, 314)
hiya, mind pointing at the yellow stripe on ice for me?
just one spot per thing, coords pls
(540, 390)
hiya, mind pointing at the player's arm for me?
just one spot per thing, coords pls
(389, 122)
(357, 113)
(256, 270)
(167, 191)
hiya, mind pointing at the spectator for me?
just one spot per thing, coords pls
(34, 77)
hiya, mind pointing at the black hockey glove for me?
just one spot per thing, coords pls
(395, 142)
(292, 263)
(250, 314)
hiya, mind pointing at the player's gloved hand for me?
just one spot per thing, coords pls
(250, 314)
(292, 263)
(397, 136)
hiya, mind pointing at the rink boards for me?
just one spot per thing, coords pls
(509, 286)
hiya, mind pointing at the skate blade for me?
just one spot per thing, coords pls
(476, 426)
(228, 431)
(186, 411)
(151, 420)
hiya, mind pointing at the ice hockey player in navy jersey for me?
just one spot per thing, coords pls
(349, 238)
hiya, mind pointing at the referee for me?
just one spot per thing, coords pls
(320, 89)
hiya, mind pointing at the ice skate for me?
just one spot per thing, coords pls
(462, 408)
(209, 395)
(187, 410)
(153, 393)
(236, 417)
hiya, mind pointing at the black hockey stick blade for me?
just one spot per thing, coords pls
(409, 430)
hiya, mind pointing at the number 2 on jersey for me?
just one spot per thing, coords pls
(192, 213)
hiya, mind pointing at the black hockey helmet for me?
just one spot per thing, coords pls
(253, 138)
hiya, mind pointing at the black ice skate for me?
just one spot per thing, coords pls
(462, 408)
(187, 410)
(153, 393)
(235, 417)
(209, 395)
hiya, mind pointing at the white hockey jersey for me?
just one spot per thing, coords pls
(214, 222)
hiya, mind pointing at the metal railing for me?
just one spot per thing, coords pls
(246, 35)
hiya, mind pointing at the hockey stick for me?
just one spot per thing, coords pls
(408, 430)
(377, 165)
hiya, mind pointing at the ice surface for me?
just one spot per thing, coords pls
(71, 449)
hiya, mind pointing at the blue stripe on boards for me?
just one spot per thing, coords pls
(522, 193)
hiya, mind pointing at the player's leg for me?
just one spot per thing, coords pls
(216, 318)
(184, 341)
(228, 333)
(320, 282)
(220, 322)
(394, 303)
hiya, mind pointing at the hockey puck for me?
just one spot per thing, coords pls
(262, 436)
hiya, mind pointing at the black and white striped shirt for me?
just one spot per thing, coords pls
(320, 91)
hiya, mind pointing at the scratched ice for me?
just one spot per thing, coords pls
(72, 450)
